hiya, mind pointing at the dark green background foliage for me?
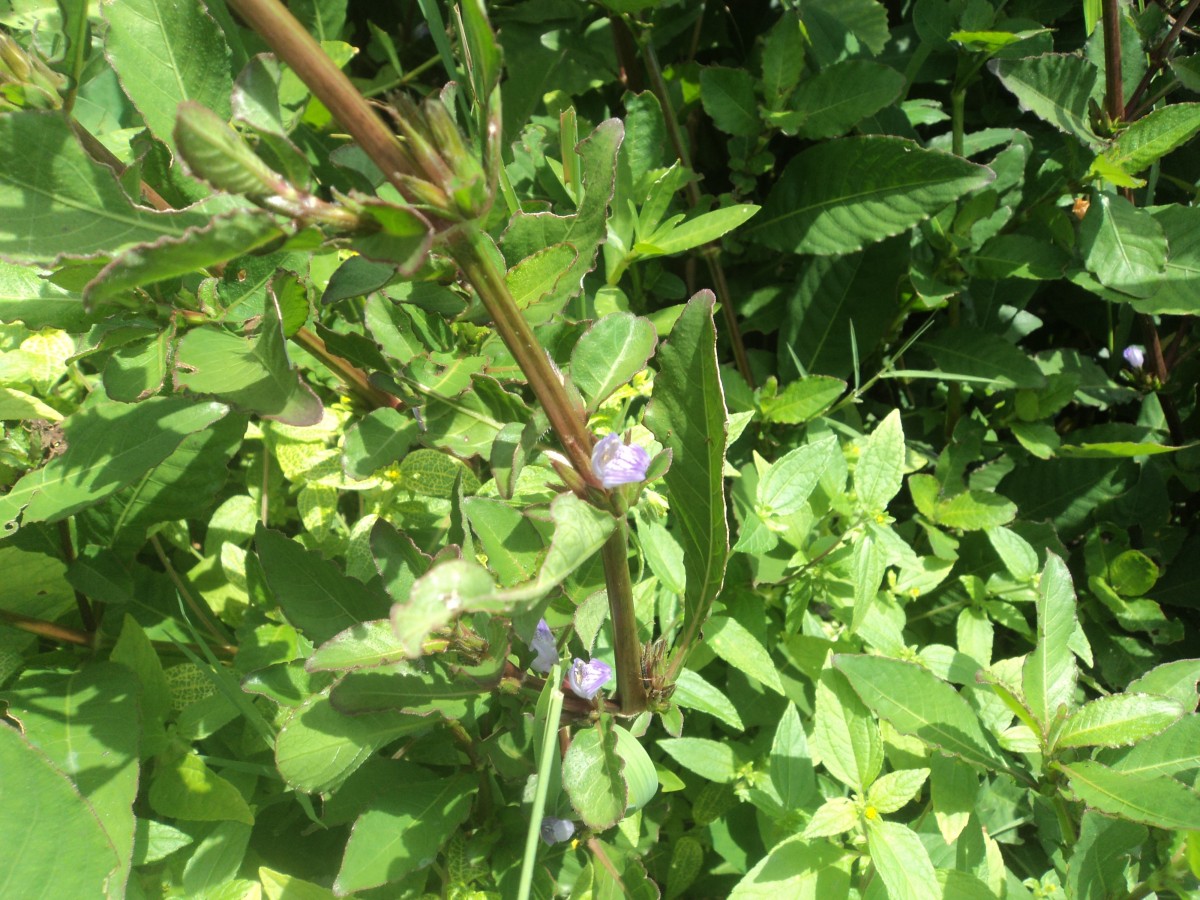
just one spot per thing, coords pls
(916, 567)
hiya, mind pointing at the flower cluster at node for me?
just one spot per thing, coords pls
(1134, 355)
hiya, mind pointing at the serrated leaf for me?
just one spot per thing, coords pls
(840, 195)
(802, 400)
(1118, 720)
(834, 816)
(695, 232)
(376, 440)
(1056, 88)
(728, 97)
(693, 692)
(840, 96)
(845, 736)
(1123, 246)
(901, 861)
(714, 761)
(1156, 800)
(890, 792)
(798, 869)
(880, 468)
(730, 640)
(1153, 136)
(791, 766)
(786, 486)
(609, 354)
(1048, 676)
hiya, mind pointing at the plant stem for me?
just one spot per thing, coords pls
(353, 377)
(627, 649)
(202, 612)
(54, 632)
(1114, 91)
(86, 614)
(1158, 56)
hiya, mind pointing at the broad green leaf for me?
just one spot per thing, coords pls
(1015, 552)
(901, 861)
(87, 725)
(213, 864)
(728, 97)
(868, 563)
(975, 511)
(802, 400)
(845, 737)
(609, 354)
(225, 237)
(403, 830)
(1048, 676)
(1118, 720)
(835, 816)
(716, 761)
(134, 651)
(637, 770)
(318, 748)
(81, 209)
(730, 640)
(918, 703)
(1178, 288)
(782, 59)
(1153, 136)
(537, 282)
(687, 415)
(791, 766)
(34, 584)
(314, 596)
(255, 374)
(184, 787)
(840, 96)
(1167, 753)
(25, 296)
(1054, 87)
(953, 788)
(1174, 679)
(1096, 869)
(530, 233)
(836, 21)
(839, 307)
(786, 486)
(891, 791)
(693, 692)
(18, 406)
(880, 468)
(591, 773)
(695, 232)
(45, 816)
(1123, 246)
(281, 886)
(376, 440)
(360, 646)
(166, 54)
(510, 540)
(981, 355)
(798, 869)
(109, 445)
(434, 474)
(1156, 800)
(416, 692)
(837, 196)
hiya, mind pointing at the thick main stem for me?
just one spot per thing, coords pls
(1114, 90)
(627, 649)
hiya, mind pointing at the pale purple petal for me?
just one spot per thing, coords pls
(615, 463)
(544, 646)
(555, 831)
(1135, 356)
(586, 678)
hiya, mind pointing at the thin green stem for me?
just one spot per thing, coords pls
(201, 611)
(631, 688)
(545, 767)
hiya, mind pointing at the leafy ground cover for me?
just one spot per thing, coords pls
(631, 448)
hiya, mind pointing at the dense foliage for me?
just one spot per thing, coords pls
(713, 450)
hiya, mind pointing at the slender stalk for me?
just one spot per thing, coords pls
(201, 611)
(54, 632)
(631, 688)
(353, 377)
(86, 613)
(1114, 99)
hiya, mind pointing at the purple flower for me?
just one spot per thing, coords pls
(1135, 356)
(586, 678)
(614, 462)
(555, 831)
(545, 648)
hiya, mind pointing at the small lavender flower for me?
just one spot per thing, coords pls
(555, 831)
(545, 648)
(586, 678)
(1135, 356)
(614, 462)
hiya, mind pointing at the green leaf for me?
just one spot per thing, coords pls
(782, 59)
(1118, 720)
(729, 639)
(510, 540)
(360, 646)
(165, 54)
(184, 787)
(1153, 136)
(837, 196)
(841, 24)
(318, 747)
(836, 815)
(687, 415)
(87, 725)
(953, 788)
(798, 869)
(919, 703)
(1100, 856)
(785, 487)
(790, 765)
(538, 283)
(715, 761)
(1169, 752)
(1174, 679)
(901, 861)
(279, 886)
(693, 692)
(1048, 676)
(591, 773)
(25, 296)
(845, 736)
(316, 597)
(1178, 288)
(108, 446)
(637, 770)
(840, 96)
(893, 790)
(376, 440)
(31, 858)
(609, 354)
(695, 232)
(255, 374)
(403, 830)
(880, 468)
(802, 400)
(979, 355)
(1156, 800)
(728, 97)
(18, 406)
(975, 511)
(1054, 87)
(1123, 246)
